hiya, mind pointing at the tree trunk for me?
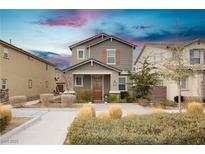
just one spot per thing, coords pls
(179, 96)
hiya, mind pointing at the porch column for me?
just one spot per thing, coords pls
(114, 83)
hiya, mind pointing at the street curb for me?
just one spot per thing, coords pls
(5, 138)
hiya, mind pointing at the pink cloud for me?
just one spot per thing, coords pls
(71, 19)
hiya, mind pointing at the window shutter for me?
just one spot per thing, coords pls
(104, 56)
(118, 56)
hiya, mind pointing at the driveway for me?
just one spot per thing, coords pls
(51, 128)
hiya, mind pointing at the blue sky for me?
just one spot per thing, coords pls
(55, 30)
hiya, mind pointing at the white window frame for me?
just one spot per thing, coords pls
(111, 56)
(187, 84)
(5, 52)
(6, 84)
(125, 77)
(79, 76)
(78, 50)
(194, 50)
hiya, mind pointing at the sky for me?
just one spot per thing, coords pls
(48, 33)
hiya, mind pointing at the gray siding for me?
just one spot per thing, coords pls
(86, 82)
(83, 46)
(125, 53)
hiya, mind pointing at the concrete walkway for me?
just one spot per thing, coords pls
(50, 129)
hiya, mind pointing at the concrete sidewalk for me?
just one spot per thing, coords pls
(50, 129)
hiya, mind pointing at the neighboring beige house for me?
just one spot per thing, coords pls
(100, 63)
(22, 73)
(194, 55)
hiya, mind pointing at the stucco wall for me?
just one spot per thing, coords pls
(18, 69)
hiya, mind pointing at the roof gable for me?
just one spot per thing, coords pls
(91, 60)
(25, 52)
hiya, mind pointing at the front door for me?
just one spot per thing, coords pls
(97, 87)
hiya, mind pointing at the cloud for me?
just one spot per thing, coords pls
(60, 60)
(70, 18)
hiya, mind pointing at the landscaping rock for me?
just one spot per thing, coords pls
(18, 101)
(68, 98)
(46, 98)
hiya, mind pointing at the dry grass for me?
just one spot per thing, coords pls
(68, 98)
(131, 114)
(85, 112)
(157, 111)
(5, 111)
(46, 98)
(104, 116)
(195, 108)
(115, 111)
(17, 101)
(93, 108)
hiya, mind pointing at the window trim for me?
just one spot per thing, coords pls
(192, 50)
(111, 56)
(6, 85)
(82, 83)
(30, 83)
(6, 57)
(47, 84)
(187, 84)
(78, 58)
(125, 77)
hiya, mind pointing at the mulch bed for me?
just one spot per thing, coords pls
(16, 121)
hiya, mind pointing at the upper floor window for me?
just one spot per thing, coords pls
(80, 54)
(5, 53)
(46, 67)
(3, 83)
(111, 56)
(122, 83)
(174, 55)
(194, 56)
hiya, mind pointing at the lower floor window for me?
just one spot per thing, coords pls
(3, 83)
(46, 84)
(79, 81)
(184, 83)
(29, 83)
(122, 83)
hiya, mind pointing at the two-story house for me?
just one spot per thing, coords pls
(101, 63)
(22, 73)
(194, 55)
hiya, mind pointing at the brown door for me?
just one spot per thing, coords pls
(97, 87)
(59, 88)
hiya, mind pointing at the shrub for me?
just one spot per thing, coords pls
(3, 122)
(168, 128)
(112, 98)
(115, 111)
(129, 99)
(131, 114)
(157, 111)
(104, 116)
(92, 106)
(85, 113)
(124, 94)
(68, 98)
(5, 111)
(163, 103)
(85, 95)
(46, 98)
(143, 102)
(17, 101)
(195, 108)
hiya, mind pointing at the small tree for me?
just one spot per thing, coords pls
(144, 79)
(176, 68)
(68, 80)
